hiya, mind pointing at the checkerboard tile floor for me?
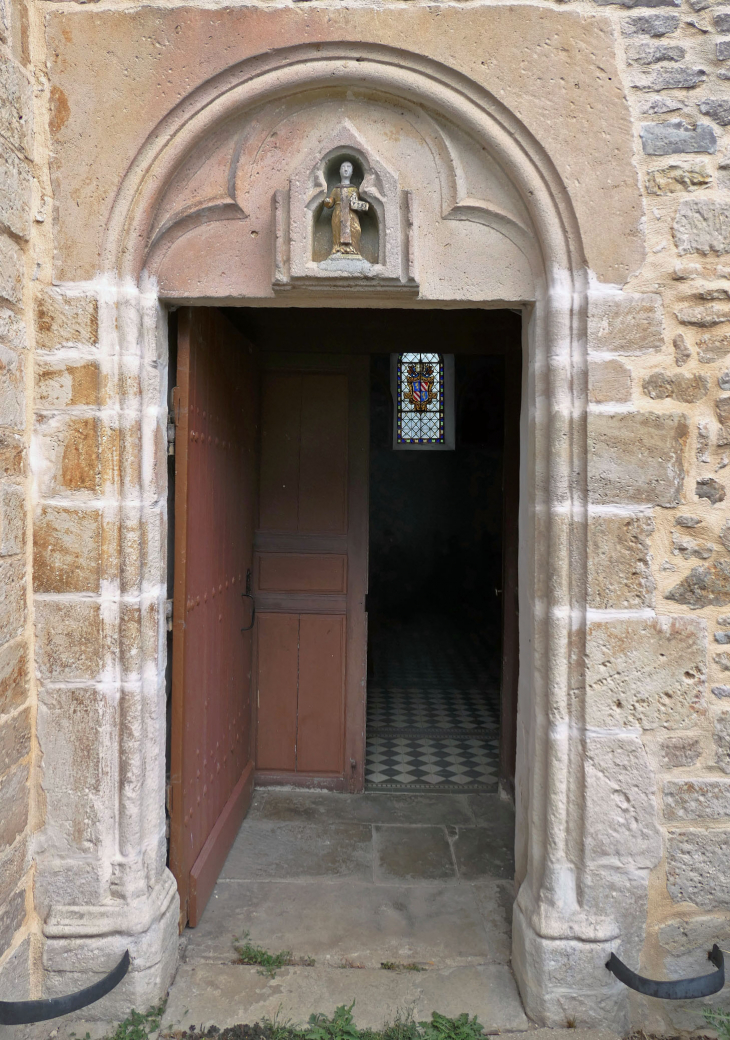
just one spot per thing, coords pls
(433, 710)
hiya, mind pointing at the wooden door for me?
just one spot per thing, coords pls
(310, 571)
(216, 404)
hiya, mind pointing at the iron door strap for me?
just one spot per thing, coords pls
(23, 1012)
(680, 989)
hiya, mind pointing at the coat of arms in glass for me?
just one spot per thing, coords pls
(420, 399)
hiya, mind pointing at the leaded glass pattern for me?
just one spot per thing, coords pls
(420, 399)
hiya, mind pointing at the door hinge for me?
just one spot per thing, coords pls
(168, 614)
(173, 417)
(168, 799)
(170, 436)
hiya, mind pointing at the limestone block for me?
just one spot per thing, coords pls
(12, 519)
(71, 452)
(67, 384)
(718, 109)
(679, 77)
(710, 489)
(12, 389)
(76, 733)
(673, 178)
(13, 805)
(721, 739)
(687, 388)
(16, 105)
(15, 974)
(621, 811)
(12, 455)
(16, 185)
(702, 226)
(64, 321)
(646, 672)
(608, 381)
(654, 23)
(12, 330)
(645, 53)
(688, 942)
(682, 352)
(722, 21)
(707, 585)
(636, 458)
(697, 868)
(15, 736)
(619, 563)
(13, 863)
(722, 50)
(12, 598)
(703, 317)
(678, 752)
(12, 266)
(625, 323)
(68, 639)
(12, 915)
(67, 550)
(687, 547)
(712, 348)
(13, 675)
(697, 799)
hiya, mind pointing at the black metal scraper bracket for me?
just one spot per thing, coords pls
(680, 989)
(23, 1012)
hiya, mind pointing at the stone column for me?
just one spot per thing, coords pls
(99, 466)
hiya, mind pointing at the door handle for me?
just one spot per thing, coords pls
(247, 595)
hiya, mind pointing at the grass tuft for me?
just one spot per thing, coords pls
(268, 963)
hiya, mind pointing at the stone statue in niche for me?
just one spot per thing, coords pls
(345, 203)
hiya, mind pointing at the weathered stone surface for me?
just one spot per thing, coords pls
(12, 455)
(58, 566)
(12, 598)
(11, 270)
(687, 547)
(13, 805)
(711, 489)
(656, 23)
(12, 330)
(72, 451)
(721, 692)
(15, 737)
(619, 563)
(636, 458)
(12, 389)
(702, 226)
(15, 192)
(675, 136)
(711, 348)
(658, 106)
(12, 915)
(671, 79)
(721, 739)
(646, 53)
(68, 639)
(13, 675)
(63, 321)
(16, 104)
(12, 519)
(608, 381)
(722, 50)
(12, 867)
(718, 109)
(687, 943)
(722, 21)
(646, 672)
(696, 868)
(722, 638)
(723, 661)
(723, 380)
(722, 411)
(682, 352)
(673, 178)
(707, 585)
(679, 752)
(681, 387)
(67, 385)
(697, 799)
(626, 323)
(725, 539)
(15, 974)
(687, 521)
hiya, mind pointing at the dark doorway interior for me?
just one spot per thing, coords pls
(435, 591)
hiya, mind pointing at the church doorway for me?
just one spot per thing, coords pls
(345, 603)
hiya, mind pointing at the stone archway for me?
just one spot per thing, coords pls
(558, 908)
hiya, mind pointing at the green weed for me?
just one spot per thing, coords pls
(397, 966)
(442, 1028)
(719, 1020)
(268, 963)
(138, 1026)
(339, 1027)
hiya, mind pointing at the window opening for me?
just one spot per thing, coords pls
(423, 400)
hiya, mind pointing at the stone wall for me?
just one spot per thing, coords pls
(19, 927)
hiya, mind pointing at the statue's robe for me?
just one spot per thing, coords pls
(346, 228)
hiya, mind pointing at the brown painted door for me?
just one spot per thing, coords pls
(310, 571)
(216, 402)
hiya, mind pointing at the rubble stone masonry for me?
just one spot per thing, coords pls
(638, 92)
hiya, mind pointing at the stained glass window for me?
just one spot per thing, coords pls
(420, 405)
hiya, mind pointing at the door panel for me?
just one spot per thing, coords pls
(215, 482)
(311, 568)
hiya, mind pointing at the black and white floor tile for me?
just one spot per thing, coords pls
(433, 711)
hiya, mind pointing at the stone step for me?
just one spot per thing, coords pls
(207, 993)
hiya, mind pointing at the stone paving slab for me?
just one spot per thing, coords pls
(371, 807)
(348, 919)
(266, 849)
(206, 993)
